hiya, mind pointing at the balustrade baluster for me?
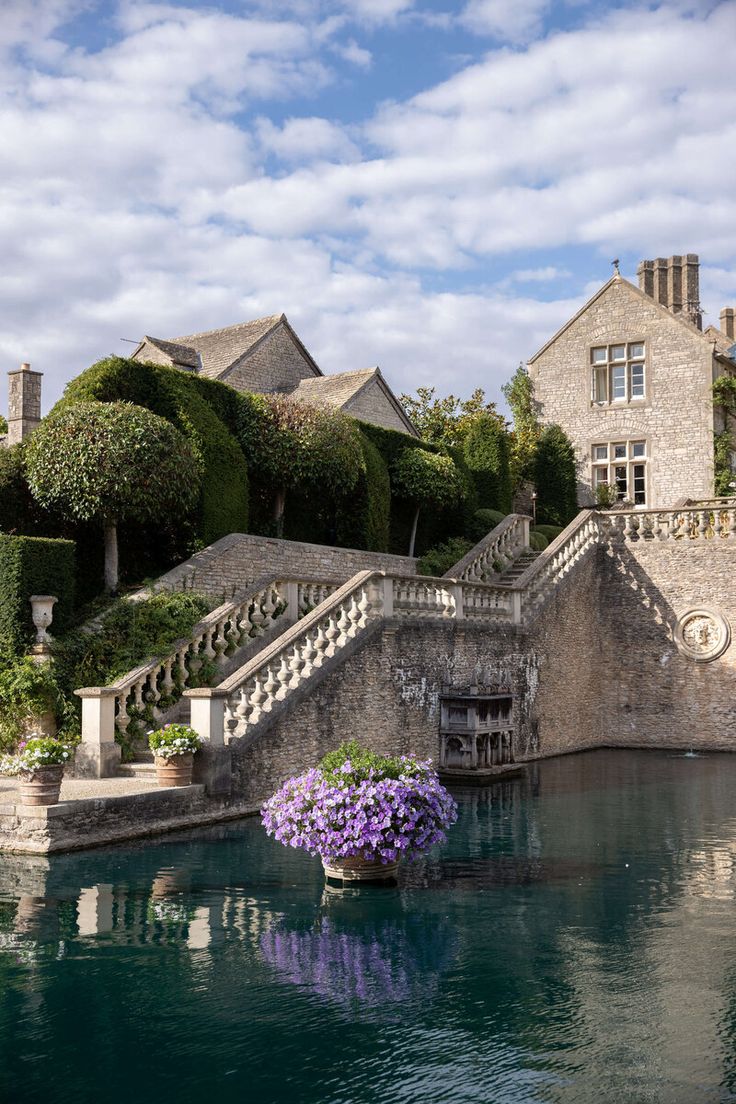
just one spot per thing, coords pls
(167, 683)
(703, 523)
(123, 718)
(283, 676)
(295, 666)
(309, 653)
(270, 686)
(343, 624)
(731, 523)
(257, 698)
(320, 644)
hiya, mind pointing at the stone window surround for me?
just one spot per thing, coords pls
(628, 435)
(619, 404)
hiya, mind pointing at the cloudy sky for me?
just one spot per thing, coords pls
(430, 185)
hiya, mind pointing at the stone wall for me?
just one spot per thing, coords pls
(675, 419)
(651, 694)
(238, 560)
(373, 405)
(276, 364)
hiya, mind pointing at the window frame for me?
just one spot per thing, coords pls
(629, 462)
(604, 371)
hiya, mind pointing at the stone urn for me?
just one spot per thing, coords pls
(42, 785)
(175, 771)
(357, 869)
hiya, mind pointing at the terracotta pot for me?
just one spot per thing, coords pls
(176, 771)
(356, 869)
(42, 786)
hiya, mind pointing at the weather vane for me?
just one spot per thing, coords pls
(615, 264)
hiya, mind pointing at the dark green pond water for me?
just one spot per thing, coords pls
(575, 940)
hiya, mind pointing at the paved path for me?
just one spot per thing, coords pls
(73, 789)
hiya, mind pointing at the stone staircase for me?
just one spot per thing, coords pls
(517, 569)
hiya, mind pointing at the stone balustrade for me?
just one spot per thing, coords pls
(496, 552)
(144, 695)
(702, 522)
(558, 559)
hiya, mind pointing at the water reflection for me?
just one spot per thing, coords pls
(575, 933)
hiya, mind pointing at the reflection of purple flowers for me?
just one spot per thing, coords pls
(381, 963)
(376, 818)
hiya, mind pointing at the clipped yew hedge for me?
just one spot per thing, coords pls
(33, 565)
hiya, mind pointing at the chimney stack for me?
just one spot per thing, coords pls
(24, 403)
(675, 284)
(728, 322)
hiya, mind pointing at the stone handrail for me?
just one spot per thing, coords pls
(500, 547)
(417, 596)
(240, 702)
(542, 576)
(684, 523)
(148, 691)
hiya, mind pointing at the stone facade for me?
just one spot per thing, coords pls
(275, 364)
(674, 419)
(238, 560)
(372, 404)
(24, 404)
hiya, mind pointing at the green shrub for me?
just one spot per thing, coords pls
(537, 541)
(33, 565)
(27, 690)
(365, 516)
(486, 450)
(548, 531)
(199, 408)
(555, 477)
(482, 522)
(437, 561)
(19, 511)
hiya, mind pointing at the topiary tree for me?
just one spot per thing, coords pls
(486, 452)
(427, 479)
(519, 394)
(105, 462)
(291, 445)
(555, 477)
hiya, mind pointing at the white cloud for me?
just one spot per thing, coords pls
(507, 20)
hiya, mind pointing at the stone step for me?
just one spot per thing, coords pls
(144, 772)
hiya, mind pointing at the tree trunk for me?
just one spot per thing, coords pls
(414, 531)
(279, 503)
(111, 557)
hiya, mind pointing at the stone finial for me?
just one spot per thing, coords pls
(728, 322)
(24, 402)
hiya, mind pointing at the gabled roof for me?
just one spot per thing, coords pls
(180, 354)
(343, 388)
(618, 279)
(724, 344)
(220, 349)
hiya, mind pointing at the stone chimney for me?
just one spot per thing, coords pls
(728, 322)
(24, 403)
(675, 283)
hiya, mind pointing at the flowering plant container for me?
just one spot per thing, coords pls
(173, 748)
(41, 763)
(361, 813)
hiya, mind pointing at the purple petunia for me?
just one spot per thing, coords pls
(376, 819)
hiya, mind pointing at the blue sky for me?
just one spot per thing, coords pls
(431, 186)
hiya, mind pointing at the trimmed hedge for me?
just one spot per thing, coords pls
(548, 531)
(482, 522)
(555, 477)
(436, 561)
(33, 565)
(364, 521)
(537, 541)
(198, 407)
(486, 450)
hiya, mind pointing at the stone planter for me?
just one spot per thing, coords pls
(356, 869)
(176, 771)
(42, 786)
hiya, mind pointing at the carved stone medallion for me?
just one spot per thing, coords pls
(702, 634)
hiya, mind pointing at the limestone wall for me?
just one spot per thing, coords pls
(238, 560)
(676, 416)
(277, 364)
(652, 695)
(373, 405)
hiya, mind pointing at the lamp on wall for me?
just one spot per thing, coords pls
(534, 507)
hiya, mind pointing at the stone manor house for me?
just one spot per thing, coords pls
(629, 380)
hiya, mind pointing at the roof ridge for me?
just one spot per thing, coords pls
(234, 326)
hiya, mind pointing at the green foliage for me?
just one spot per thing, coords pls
(482, 522)
(207, 412)
(519, 394)
(27, 690)
(291, 446)
(437, 561)
(724, 471)
(447, 421)
(537, 541)
(362, 764)
(606, 496)
(107, 461)
(19, 511)
(33, 565)
(551, 532)
(427, 478)
(174, 739)
(364, 519)
(3, 425)
(486, 451)
(555, 477)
